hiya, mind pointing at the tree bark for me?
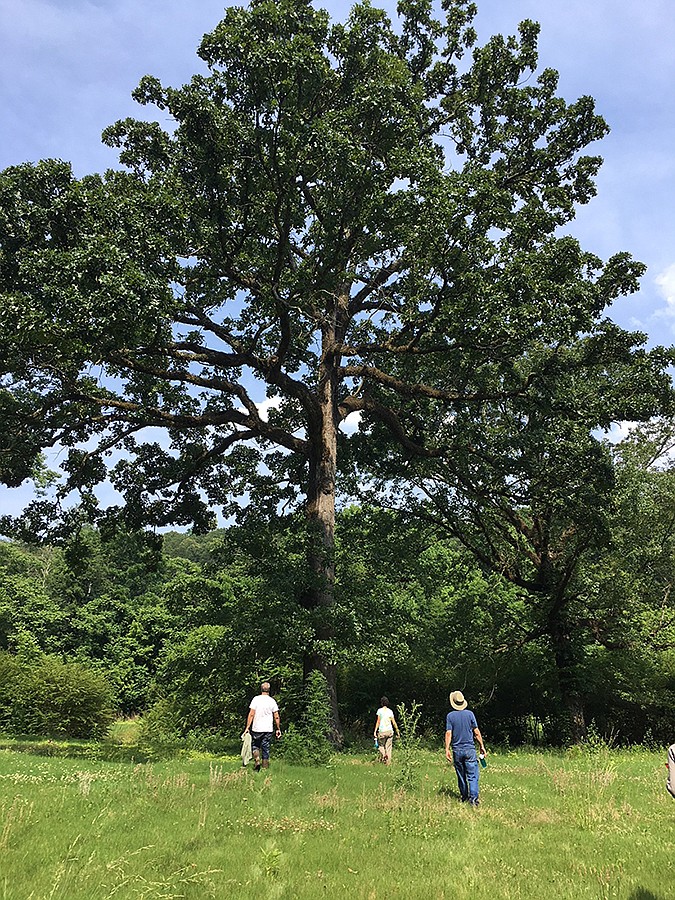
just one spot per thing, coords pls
(321, 595)
(554, 583)
(570, 693)
(321, 518)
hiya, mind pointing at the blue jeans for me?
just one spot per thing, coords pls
(262, 740)
(466, 767)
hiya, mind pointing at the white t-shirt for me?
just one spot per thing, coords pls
(386, 716)
(264, 707)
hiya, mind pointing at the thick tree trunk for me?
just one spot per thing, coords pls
(321, 596)
(554, 584)
(321, 518)
(571, 695)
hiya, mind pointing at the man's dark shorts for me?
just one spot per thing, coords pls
(262, 740)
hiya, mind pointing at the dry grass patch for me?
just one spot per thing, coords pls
(543, 817)
(220, 778)
(330, 801)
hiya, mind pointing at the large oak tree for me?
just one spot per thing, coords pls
(349, 218)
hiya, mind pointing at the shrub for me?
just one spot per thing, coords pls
(199, 678)
(158, 728)
(58, 699)
(409, 745)
(10, 671)
(307, 744)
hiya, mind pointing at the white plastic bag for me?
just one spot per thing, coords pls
(246, 751)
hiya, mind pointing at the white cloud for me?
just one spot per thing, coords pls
(619, 431)
(266, 405)
(665, 283)
(351, 424)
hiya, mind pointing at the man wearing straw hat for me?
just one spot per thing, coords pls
(461, 730)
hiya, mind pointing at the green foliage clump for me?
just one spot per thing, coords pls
(47, 696)
(409, 745)
(158, 728)
(307, 743)
(200, 682)
(10, 671)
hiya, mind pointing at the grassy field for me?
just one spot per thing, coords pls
(570, 825)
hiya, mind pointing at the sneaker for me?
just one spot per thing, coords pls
(475, 802)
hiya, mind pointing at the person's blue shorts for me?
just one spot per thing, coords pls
(262, 740)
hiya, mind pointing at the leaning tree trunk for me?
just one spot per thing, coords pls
(321, 519)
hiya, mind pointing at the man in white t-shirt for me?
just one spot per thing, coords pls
(263, 718)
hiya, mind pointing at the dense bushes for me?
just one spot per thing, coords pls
(199, 682)
(306, 742)
(186, 639)
(46, 696)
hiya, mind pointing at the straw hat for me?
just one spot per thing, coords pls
(457, 700)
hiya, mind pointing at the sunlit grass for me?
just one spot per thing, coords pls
(125, 731)
(574, 825)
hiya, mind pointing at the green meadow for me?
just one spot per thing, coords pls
(572, 825)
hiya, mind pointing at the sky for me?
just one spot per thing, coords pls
(68, 67)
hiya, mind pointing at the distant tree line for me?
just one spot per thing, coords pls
(337, 269)
(182, 627)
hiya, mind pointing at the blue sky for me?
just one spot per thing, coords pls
(68, 67)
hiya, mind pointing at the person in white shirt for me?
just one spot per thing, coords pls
(263, 719)
(384, 731)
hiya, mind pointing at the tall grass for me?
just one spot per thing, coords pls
(571, 826)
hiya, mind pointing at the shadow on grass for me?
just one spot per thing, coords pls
(446, 790)
(103, 751)
(111, 750)
(642, 894)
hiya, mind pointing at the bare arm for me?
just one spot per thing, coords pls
(479, 738)
(395, 724)
(277, 722)
(448, 740)
(249, 720)
(377, 726)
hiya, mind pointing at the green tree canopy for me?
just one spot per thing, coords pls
(346, 218)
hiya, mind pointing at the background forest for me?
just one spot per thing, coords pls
(330, 294)
(182, 627)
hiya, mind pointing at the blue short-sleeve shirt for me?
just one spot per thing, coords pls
(462, 723)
